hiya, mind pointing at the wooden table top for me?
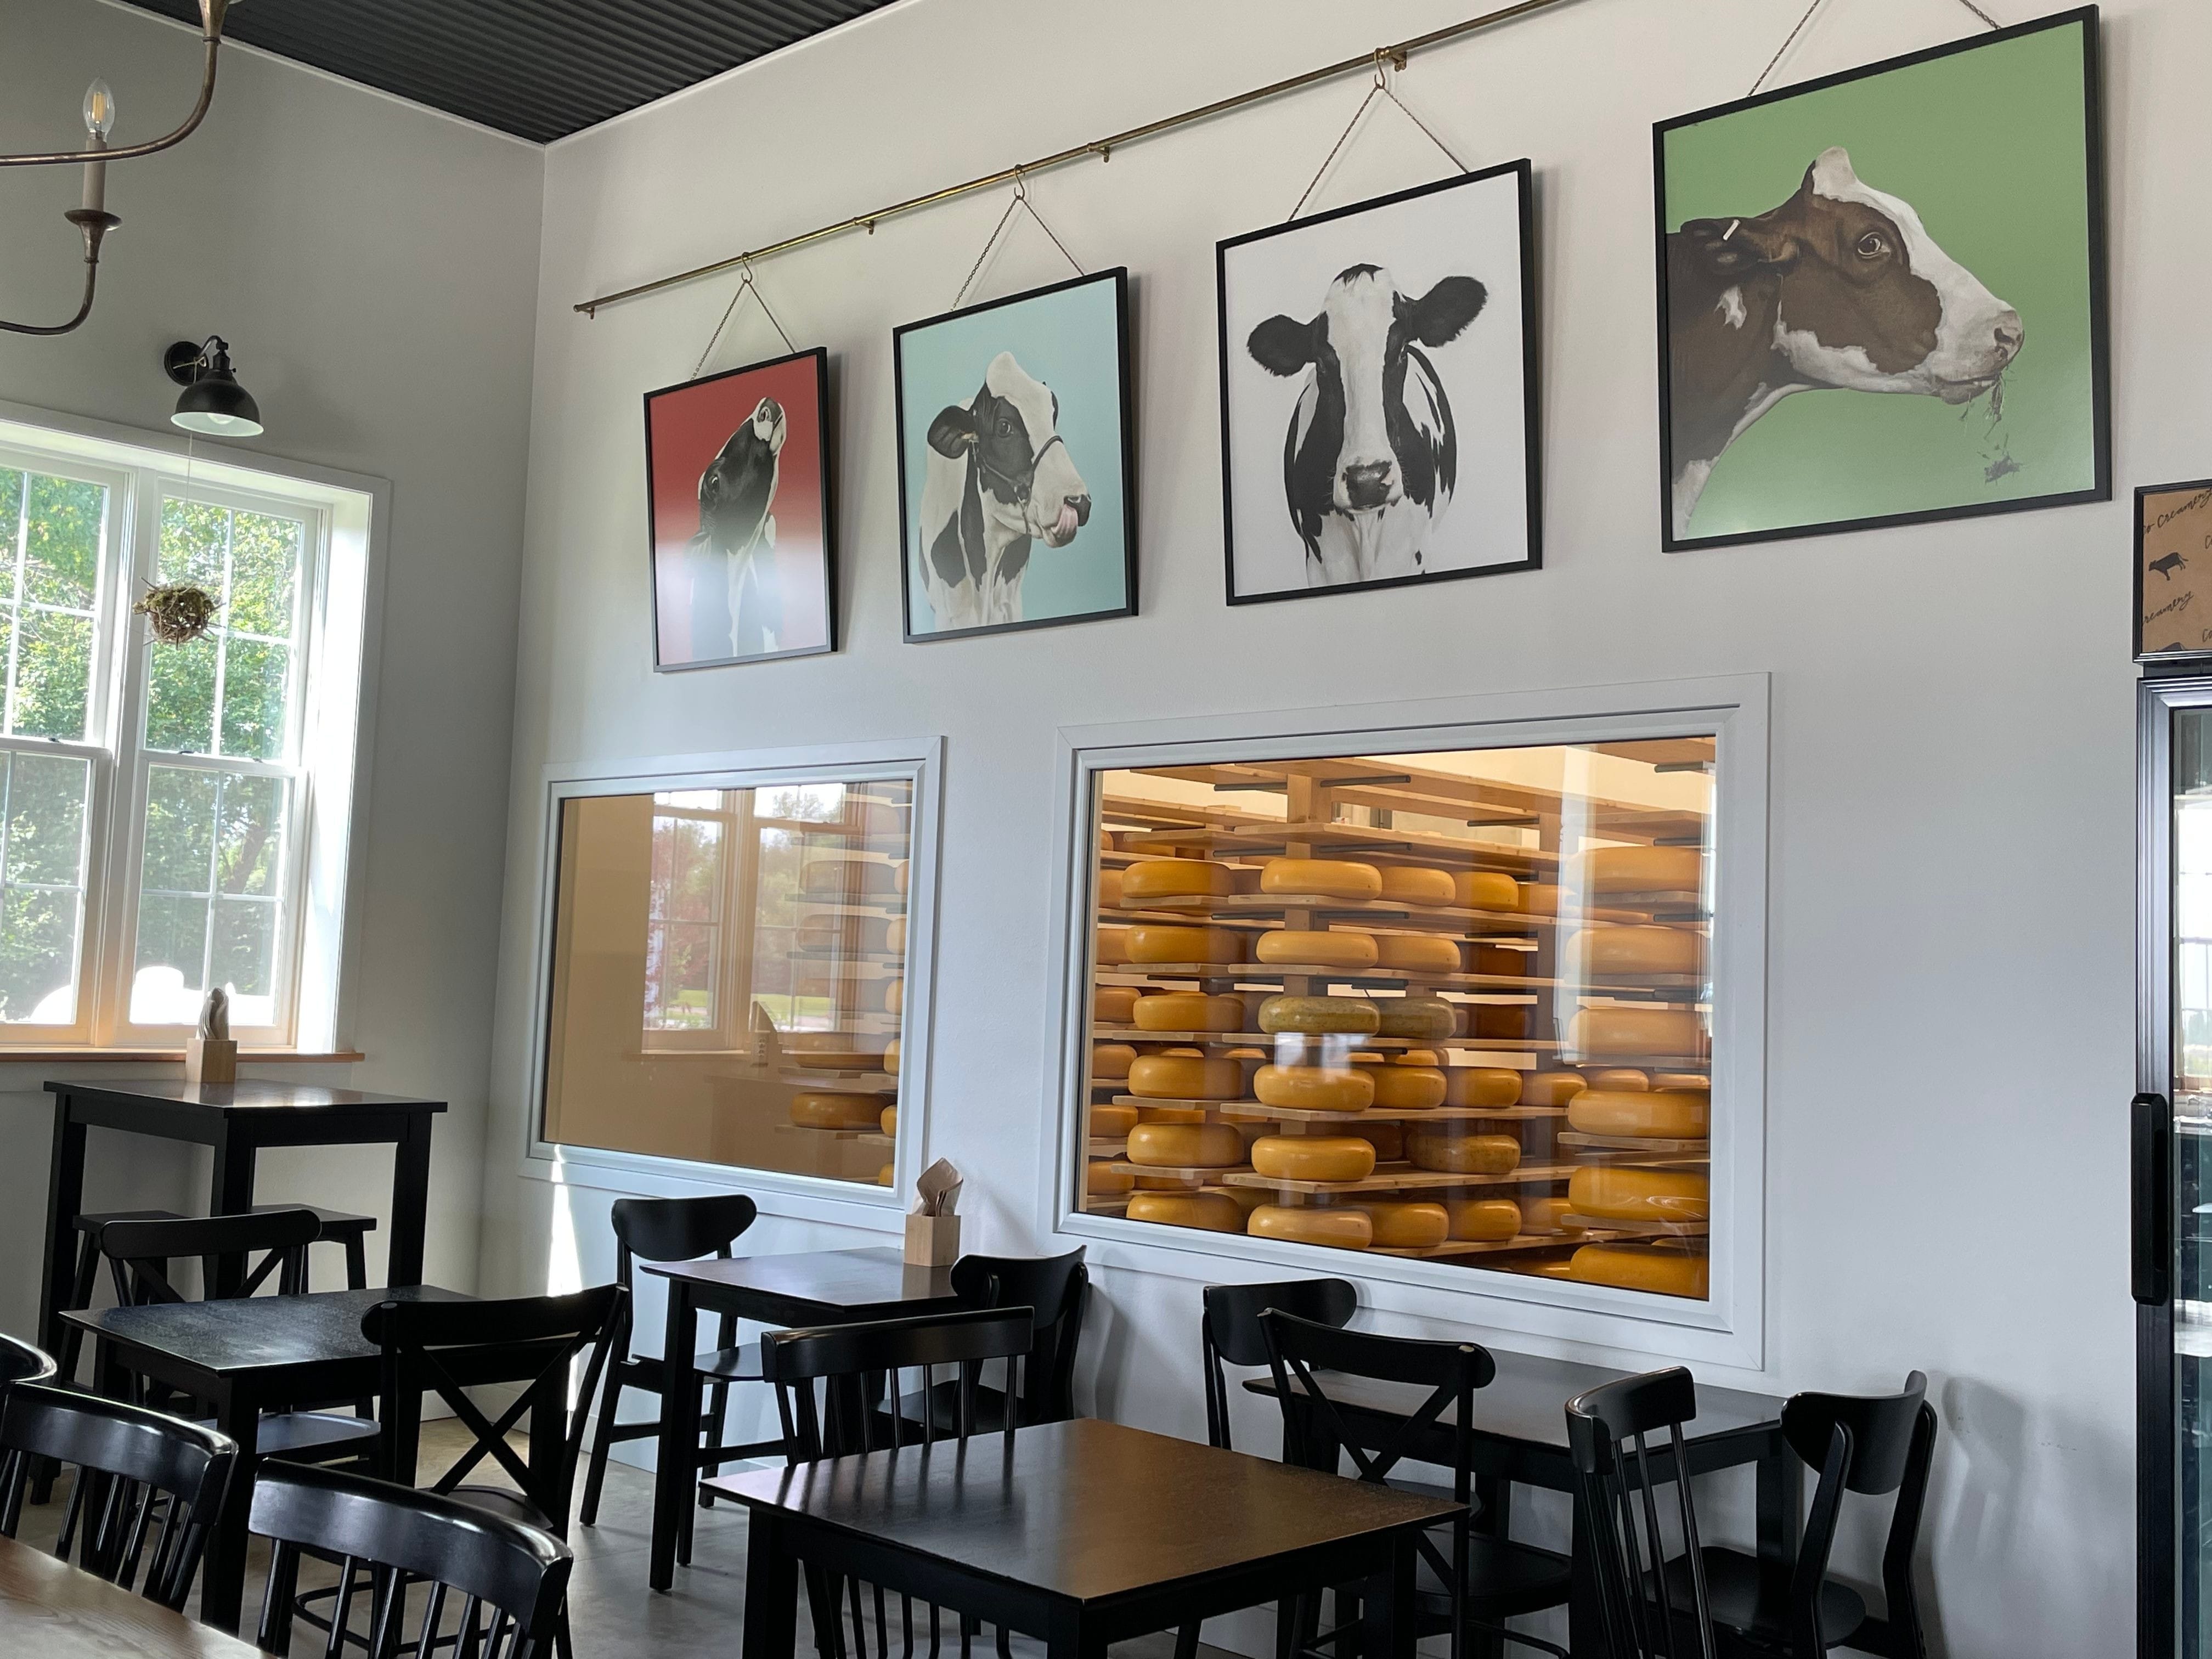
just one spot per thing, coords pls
(828, 1284)
(1527, 1400)
(250, 1333)
(51, 1610)
(1083, 1510)
(248, 1094)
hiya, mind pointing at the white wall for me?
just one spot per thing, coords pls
(1953, 842)
(375, 267)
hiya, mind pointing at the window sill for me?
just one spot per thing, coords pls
(173, 1056)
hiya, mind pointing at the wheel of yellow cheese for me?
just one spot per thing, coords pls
(1540, 898)
(1462, 1154)
(1101, 1181)
(891, 1056)
(1669, 1114)
(887, 1175)
(1499, 959)
(1313, 1088)
(1111, 1062)
(1151, 942)
(1482, 1085)
(1110, 890)
(1159, 879)
(1112, 1122)
(1186, 1077)
(1612, 1033)
(1414, 883)
(1543, 1216)
(1642, 869)
(1352, 1016)
(1408, 1226)
(1112, 946)
(894, 936)
(1214, 1212)
(1186, 1145)
(1345, 1229)
(1404, 1088)
(1483, 1220)
(1613, 1192)
(816, 1111)
(889, 1122)
(895, 997)
(1632, 1268)
(1189, 1011)
(899, 876)
(1314, 1158)
(1637, 951)
(1333, 949)
(1418, 953)
(1422, 1018)
(1619, 1078)
(1112, 1004)
(1552, 1088)
(1331, 877)
(1485, 889)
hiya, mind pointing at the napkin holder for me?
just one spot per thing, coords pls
(211, 1060)
(932, 1241)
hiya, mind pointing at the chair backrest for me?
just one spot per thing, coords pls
(128, 1458)
(1054, 1288)
(448, 1347)
(139, 1252)
(1229, 1333)
(1609, 1435)
(859, 1368)
(1870, 1444)
(677, 1229)
(510, 1579)
(21, 1363)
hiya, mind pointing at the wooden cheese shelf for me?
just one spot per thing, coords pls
(889, 908)
(1592, 1224)
(857, 959)
(1339, 838)
(1394, 978)
(1261, 1039)
(1634, 1146)
(1400, 1177)
(863, 1136)
(1249, 1111)
(1492, 1246)
(831, 1081)
(1097, 1148)
(1200, 1172)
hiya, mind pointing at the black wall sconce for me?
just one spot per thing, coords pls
(213, 404)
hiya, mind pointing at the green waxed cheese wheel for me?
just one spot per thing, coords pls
(1418, 1017)
(1347, 1015)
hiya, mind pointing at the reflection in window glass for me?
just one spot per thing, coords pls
(1451, 1006)
(728, 976)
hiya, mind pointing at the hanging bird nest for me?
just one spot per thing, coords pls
(179, 613)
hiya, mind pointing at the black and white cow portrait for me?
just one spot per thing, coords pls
(998, 478)
(737, 527)
(1371, 458)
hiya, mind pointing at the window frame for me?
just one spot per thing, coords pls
(337, 621)
(919, 761)
(1727, 1328)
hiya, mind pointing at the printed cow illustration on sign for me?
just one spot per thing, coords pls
(737, 498)
(1841, 286)
(998, 478)
(1371, 457)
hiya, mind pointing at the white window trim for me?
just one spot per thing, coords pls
(343, 603)
(1727, 1329)
(819, 1198)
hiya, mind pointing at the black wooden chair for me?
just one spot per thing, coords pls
(675, 1230)
(140, 1254)
(1647, 1611)
(1229, 1333)
(132, 1464)
(1483, 1580)
(831, 1386)
(1873, 1446)
(1054, 1289)
(511, 1579)
(21, 1363)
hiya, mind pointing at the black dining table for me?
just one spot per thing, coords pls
(813, 1287)
(1521, 1439)
(244, 1356)
(1078, 1533)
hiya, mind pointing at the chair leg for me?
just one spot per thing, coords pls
(718, 1403)
(1187, 1641)
(602, 1444)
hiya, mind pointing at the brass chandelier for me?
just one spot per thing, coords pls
(92, 216)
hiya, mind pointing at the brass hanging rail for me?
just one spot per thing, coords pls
(1102, 148)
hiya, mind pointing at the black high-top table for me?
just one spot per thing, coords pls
(237, 1119)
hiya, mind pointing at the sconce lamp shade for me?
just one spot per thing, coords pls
(213, 402)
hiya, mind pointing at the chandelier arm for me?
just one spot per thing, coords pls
(94, 225)
(125, 152)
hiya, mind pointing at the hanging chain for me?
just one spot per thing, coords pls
(746, 284)
(1378, 87)
(1021, 201)
(1791, 40)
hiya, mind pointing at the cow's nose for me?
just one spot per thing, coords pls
(2010, 335)
(1367, 484)
(1082, 505)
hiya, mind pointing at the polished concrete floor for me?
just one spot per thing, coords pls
(612, 1614)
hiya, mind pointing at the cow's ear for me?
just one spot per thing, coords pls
(1437, 318)
(1729, 247)
(952, 434)
(1281, 346)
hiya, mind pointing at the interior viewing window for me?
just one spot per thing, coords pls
(729, 968)
(154, 796)
(1454, 1006)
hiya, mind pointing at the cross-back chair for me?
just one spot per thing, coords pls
(1054, 1289)
(1648, 1611)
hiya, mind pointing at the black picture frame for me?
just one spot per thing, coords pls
(2086, 20)
(2195, 499)
(1118, 276)
(1531, 402)
(826, 485)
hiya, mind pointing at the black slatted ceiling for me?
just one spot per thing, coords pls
(539, 68)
